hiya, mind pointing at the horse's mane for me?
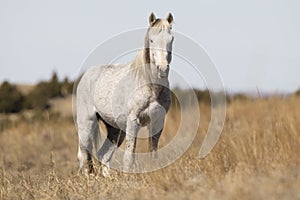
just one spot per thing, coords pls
(141, 64)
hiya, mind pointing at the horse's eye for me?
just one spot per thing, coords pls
(151, 41)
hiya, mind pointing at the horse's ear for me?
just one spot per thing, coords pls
(152, 19)
(170, 18)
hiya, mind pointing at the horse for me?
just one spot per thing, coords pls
(126, 97)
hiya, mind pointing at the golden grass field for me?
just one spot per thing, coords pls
(257, 157)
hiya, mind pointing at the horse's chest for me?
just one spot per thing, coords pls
(118, 95)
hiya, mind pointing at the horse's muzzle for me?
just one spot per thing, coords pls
(163, 73)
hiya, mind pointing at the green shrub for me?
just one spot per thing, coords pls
(11, 99)
(39, 97)
(54, 87)
(240, 97)
(66, 87)
(297, 93)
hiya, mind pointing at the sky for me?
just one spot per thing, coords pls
(253, 44)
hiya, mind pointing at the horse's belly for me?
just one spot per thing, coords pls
(112, 109)
(110, 99)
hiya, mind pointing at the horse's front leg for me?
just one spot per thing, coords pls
(155, 127)
(155, 130)
(132, 129)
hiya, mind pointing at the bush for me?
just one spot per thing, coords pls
(66, 87)
(11, 99)
(39, 97)
(203, 96)
(240, 97)
(297, 93)
(53, 86)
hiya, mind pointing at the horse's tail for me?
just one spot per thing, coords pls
(96, 135)
(96, 139)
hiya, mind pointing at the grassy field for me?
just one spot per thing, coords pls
(257, 157)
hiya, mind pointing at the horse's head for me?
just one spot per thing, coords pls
(159, 41)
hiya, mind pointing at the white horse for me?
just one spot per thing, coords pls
(126, 97)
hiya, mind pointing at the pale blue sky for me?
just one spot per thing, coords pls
(253, 44)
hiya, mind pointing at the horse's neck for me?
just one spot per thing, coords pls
(140, 69)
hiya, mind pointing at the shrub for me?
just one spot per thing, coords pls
(39, 97)
(240, 97)
(66, 87)
(297, 93)
(11, 99)
(53, 86)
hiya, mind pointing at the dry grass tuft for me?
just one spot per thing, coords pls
(257, 157)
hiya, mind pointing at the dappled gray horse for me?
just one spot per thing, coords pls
(126, 97)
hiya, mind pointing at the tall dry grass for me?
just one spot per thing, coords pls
(257, 157)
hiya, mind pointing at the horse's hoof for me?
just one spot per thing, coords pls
(126, 169)
(105, 171)
(85, 172)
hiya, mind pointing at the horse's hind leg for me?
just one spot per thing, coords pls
(114, 139)
(86, 133)
(84, 157)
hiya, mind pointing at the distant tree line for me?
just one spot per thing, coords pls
(184, 97)
(297, 93)
(13, 101)
(202, 96)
